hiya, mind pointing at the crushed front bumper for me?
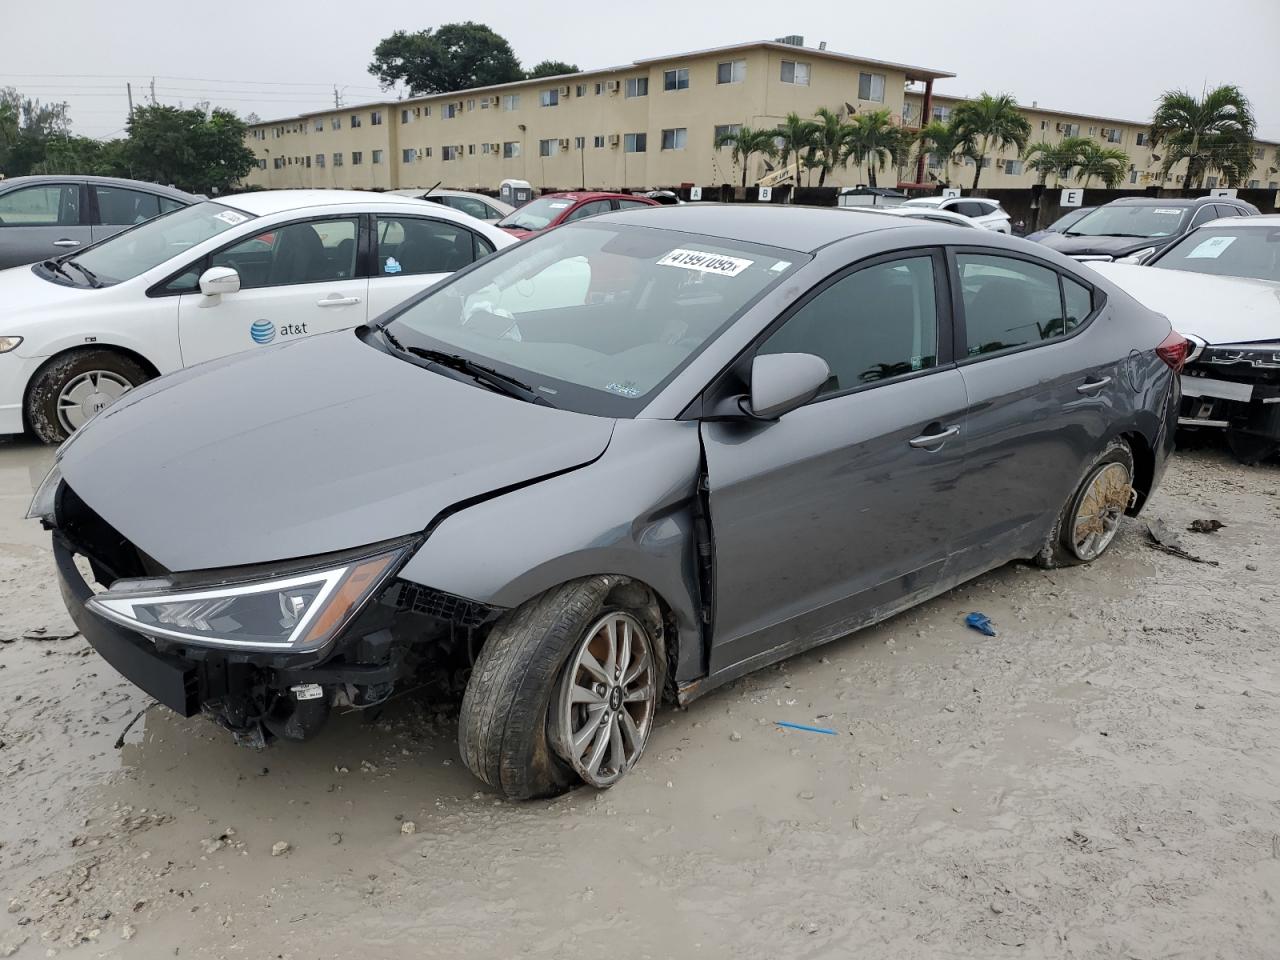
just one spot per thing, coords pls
(1247, 400)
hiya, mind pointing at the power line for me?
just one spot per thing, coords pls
(160, 76)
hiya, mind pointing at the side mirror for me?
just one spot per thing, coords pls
(780, 382)
(219, 280)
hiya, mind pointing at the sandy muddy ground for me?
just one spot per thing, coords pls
(1100, 780)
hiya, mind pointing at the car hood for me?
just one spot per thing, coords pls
(1101, 246)
(308, 447)
(1216, 309)
(22, 291)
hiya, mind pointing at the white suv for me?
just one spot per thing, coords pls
(986, 213)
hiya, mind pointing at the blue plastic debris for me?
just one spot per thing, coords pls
(801, 726)
(981, 623)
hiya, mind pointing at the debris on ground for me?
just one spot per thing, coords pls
(980, 622)
(279, 848)
(808, 729)
(1166, 541)
(408, 827)
(1205, 526)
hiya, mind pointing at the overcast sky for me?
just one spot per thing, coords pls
(283, 57)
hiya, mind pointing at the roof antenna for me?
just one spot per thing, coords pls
(433, 186)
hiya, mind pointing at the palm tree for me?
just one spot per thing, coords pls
(829, 141)
(747, 142)
(797, 138)
(873, 141)
(1058, 158)
(1106, 163)
(991, 121)
(945, 142)
(1213, 133)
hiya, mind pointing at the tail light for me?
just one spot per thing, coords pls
(1174, 350)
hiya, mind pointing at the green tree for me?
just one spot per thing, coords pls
(945, 143)
(26, 127)
(1106, 163)
(1212, 133)
(830, 135)
(746, 143)
(455, 56)
(187, 148)
(1058, 159)
(991, 121)
(875, 142)
(798, 143)
(83, 155)
(552, 68)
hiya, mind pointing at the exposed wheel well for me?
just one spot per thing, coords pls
(133, 355)
(1144, 469)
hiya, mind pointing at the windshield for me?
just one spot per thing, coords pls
(1252, 252)
(1129, 220)
(595, 317)
(150, 244)
(1067, 219)
(537, 214)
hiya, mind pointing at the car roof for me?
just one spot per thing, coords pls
(802, 229)
(173, 192)
(265, 202)
(1169, 201)
(1271, 220)
(437, 192)
(926, 213)
(590, 195)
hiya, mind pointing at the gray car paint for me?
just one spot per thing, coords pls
(808, 538)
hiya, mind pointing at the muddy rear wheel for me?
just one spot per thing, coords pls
(1091, 517)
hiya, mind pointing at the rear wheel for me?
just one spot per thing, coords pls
(1091, 517)
(1250, 448)
(71, 389)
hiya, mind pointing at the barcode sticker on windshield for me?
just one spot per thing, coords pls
(1210, 249)
(705, 262)
(1168, 211)
(231, 217)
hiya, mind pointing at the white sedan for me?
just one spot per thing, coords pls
(983, 211)
(212, 279)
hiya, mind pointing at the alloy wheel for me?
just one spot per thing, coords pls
(1099, 510)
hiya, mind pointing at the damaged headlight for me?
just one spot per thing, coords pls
(302, 611)
(46, 494)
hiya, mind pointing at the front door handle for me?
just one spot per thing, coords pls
(1093, 386)
(927, 441)
(66, 243)
(337, 301)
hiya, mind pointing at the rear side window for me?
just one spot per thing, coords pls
(877, 323)
(120, 207)
(414, 245)
(1011, 303)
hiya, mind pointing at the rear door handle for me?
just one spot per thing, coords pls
(337, 301)
(66, 243)
(1093, 386)
(928, 440)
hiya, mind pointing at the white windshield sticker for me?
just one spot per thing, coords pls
(1167, 211)
(780, 266)
(705, 262)
(1210, 249)
(559, 206)
(231, 217)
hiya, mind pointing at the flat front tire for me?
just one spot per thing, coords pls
(564, 690)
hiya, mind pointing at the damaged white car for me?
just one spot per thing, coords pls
(1220, 287)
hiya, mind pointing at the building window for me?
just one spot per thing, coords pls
(471, 104)
(471, 149)
(1273, 184)
(1044, 124)
(448, 153)
(795, 72)
(335, 123)
(337, 159)
(375, 118)
(871, 87)
(581, 90)
(510, 149)
(1254, 184)
(580, 143)
(1133, 175)
(1013, 168)
(406, 155)
(1259, 152)
(637, 87)
(677, 79)
(262, 164)
(1069, 129)
(485, 148)
(1112, 134)
(1142, 139)
(934, 162)
(599, 88)
(511, 102)
(726, 130)
(404, 116)
(731, 71)
(319, 126)
(450, 111)
(377, 156)
(908, 111)
(549, 98)
(320, 160)
(426, 111)
(277, 163)
(597, 141)
(636, 142)
(941, 114)
(1211, 182)
(547, 148)
(355, 120)
(674, 139)
(357, 157)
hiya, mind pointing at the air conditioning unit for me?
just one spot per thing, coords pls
(1000, 163)
(1057, 127)
(417, 111)
(612, 86)
(420, 153)
(565, 90)
(614, 139)
(495, 147)
(495, 100)
(564, 143)
(485, 103)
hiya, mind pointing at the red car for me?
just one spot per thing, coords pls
(554, 209)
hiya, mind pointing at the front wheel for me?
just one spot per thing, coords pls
(1091, 517)
(72, 389)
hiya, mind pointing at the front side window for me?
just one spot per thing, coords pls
(677, 79)
(871, 87)
(674, 139)
(147, 246)
(1010, 303)
(589, 209)
(312, 252)
(595, 316)
(412, 245)
(637, 87)
(46, 205)
(1227, 251)
(795, 72)
(731, 71)
(636, 142)
(1130, 220)
(875, 324)
(118, 206)
(472, 207)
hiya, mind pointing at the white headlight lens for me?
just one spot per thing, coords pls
(295, 613)
(9, 343)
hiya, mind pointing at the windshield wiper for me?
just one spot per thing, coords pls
(89, 275)
(495, 379)
(1135, 236)
(55, 266)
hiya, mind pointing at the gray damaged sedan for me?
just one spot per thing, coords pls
(632, 459)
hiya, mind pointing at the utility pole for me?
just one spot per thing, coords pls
(337, 100)
(153, 91)
(129, 90)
